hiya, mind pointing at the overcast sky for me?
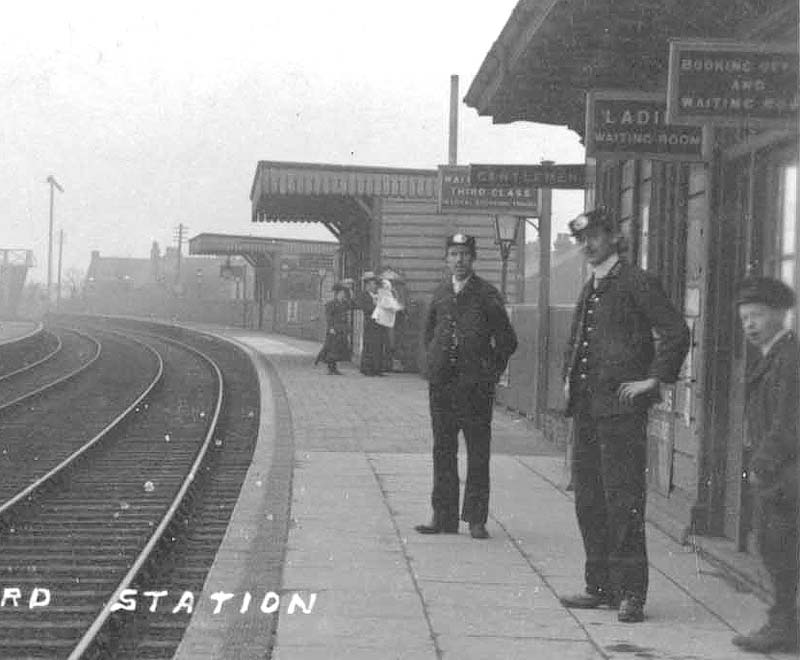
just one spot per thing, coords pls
(154, 114)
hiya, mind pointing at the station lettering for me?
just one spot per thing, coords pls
(669, 139)
(727, 84)
(630, 126)
(269, 603)
(14, 597)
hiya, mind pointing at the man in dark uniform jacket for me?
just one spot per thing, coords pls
(374, 333)
(469, 340)
(770, 453)
(612, 371)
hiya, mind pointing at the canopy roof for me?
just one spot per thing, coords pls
(316, 192)
(551, 52)
(256, 246)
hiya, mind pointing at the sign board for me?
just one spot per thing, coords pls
(315, 261)
(458, 195)
(630, 124)
(537, 176)
(730, 83)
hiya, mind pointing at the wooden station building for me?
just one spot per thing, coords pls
(701, 217)
(383, 218)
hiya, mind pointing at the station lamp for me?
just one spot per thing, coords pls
(506, 231)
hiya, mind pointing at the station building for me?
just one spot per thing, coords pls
(700, 223)
(384, 218)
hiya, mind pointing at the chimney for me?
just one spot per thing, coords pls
(563, 243)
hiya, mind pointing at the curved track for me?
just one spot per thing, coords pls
(74, 352)
(86, 511)
(83, 512)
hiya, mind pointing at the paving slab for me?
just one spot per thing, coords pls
(361, 481)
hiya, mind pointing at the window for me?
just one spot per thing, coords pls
(788, 223)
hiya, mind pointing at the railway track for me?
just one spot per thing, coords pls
(72, 353)
(18, 354)
(147, 499)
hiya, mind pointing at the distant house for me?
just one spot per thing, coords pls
(205, 277)
(567, 271)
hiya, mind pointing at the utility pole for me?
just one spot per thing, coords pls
(452, 151)
(60, 254)
(179, 234)
(53, 184)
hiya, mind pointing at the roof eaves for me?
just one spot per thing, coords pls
(526, 19)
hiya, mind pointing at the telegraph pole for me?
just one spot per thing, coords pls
(60, 253)
(179, 234)
(53, 184)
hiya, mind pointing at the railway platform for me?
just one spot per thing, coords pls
(354, 453)
(12, 331)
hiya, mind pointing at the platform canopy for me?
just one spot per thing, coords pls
(334, 195)
(227, 244)
(551, 52)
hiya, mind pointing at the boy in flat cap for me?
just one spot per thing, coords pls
(612, 371)
(770, 454)
(469, 339)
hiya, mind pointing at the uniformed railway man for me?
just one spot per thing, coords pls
(469, 340)
(770, 453)
(612, 371)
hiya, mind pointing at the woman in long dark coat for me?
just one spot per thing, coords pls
(337, 321)
(374, 334)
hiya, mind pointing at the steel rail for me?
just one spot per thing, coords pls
(11, 374)
(58, 381)
(39, 328)
(41, 481)
(93, 631)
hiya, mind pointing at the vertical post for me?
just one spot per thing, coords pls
(520, 277)
(797, 275)
(50, 247)
(244, 295)
(180, 249)
(53, 184)
(60, 254)
(452, 152)
(503, 272)
(545, 205)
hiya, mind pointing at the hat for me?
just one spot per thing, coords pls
(766, 290)
(599, 218)
(368, 275)
(462, 239)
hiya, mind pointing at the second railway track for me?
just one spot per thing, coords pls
(101, 524)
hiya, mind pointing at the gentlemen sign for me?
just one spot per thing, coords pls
(457, 194)
(732, 83)
(538, 176)
(624, 124)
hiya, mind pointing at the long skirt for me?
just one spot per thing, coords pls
(372, 353)
(335, 349)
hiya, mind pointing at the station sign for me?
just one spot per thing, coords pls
(315, 261)
(536, 176)
(458, 194)
(622, 124)
(732, 83)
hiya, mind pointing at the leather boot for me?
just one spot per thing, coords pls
(438, 526)
(770, 638)
(478, 531)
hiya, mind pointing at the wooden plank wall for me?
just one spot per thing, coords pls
(413, 239)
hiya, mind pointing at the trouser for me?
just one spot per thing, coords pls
(609, 462)
(777, 538)
(468, 408)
